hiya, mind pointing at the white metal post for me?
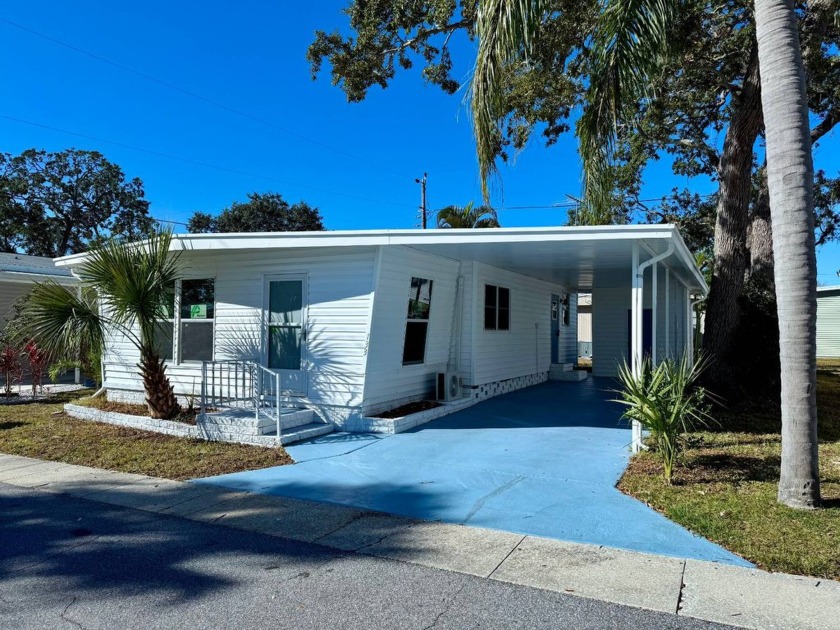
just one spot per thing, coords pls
(203, 386)
(654, 301)
(277, 402)
(667, 313)
(636, 315)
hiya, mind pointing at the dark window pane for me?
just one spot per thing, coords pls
(414, 350)
(198, 298)
(490, 317)
(163, 339)
(504, 298)
(489, 295)
(419, 298)
(504, 319)
(196, 341)
(167, 310)
(284, 347)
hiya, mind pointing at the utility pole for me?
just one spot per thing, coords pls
(422, 183)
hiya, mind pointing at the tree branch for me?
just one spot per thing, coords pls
(425, 34)
(825, 125)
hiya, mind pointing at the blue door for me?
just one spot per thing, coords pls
(555, 328)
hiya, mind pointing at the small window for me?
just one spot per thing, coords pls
(496, 308)
(417, 321)
(198, 305)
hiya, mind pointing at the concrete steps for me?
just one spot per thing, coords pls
(243, 425)
(566, 372)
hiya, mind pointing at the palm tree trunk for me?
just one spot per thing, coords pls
(790, 180)
(160, 396)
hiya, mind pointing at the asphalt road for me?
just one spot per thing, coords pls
(72, 563)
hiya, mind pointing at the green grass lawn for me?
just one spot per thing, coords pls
(725, 488)
(44, 431)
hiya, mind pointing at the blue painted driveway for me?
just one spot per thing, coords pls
(542, 461)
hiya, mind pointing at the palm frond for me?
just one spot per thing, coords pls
(506, 30)
(631, 42)
(62, 320)
(136, 279)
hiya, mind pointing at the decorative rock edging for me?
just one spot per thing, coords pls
(166, 427)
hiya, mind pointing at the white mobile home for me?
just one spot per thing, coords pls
(828, 322)
(356, 323)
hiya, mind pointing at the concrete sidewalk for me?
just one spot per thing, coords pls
(731, 595)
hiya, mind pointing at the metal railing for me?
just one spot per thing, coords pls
(226, 383)
(267, 395)
(235, 383)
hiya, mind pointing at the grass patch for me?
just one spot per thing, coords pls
(725, 489)
(44, 431)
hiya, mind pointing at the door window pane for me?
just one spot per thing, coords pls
(285, 302)
(284, 347)
(417, 324)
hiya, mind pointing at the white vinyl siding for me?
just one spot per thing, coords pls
(339, 284)
(610, 328)
(828, 324)
(388, 380)
(525, 349)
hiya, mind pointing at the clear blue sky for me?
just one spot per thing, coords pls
(356, 162)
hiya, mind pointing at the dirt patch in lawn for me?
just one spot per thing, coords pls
(187, 416)
(725, 489)
(407, 410)
(44, 431)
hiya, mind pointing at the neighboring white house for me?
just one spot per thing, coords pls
(584, 332)
(18, 275)
(828, 322)
(360, 322)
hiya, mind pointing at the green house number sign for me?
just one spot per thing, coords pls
(198, 311)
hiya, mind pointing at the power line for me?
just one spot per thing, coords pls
(194, 95)
(217, 167)
(571, 204)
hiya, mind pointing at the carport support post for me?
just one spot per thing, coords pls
(654, 284)
(636, 306)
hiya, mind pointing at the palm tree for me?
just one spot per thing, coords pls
(467, 217)
(125, 287)
(630, 44)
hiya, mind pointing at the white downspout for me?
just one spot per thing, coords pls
(636, 319)
(667, 313)
(654, 306)
(691, 305)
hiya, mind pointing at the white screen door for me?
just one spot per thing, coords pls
(286, 327)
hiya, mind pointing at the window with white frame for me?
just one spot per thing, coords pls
(191, 312)
(417, 321)
(496, 307)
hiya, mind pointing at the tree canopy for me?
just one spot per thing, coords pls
(55, 204)
(263, 212)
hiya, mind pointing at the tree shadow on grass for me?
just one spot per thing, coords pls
(739, 468)
(5, 426)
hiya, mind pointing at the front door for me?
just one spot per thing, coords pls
(285, 323)
(555, 328)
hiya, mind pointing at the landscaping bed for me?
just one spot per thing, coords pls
(44, 431)
(407, 410)
(725, 488)
(187, 416)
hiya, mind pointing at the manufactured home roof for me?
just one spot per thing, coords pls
(579, 257)
(22, 268)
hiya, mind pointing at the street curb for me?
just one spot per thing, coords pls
(743, 597)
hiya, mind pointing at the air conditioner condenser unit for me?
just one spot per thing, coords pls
(447, 386)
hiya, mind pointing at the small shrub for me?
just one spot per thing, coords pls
(666, 400)
(10, 367)
(38, 360)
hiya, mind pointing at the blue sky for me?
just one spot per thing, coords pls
(356, 162)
